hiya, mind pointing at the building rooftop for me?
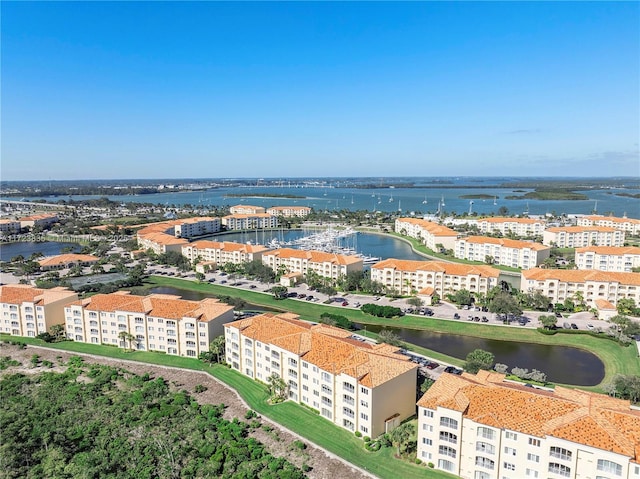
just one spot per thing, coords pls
(455, 269)
(581, 229)
(502, 219)
(21, 293)
(579, 416)
(433, 228)
(506, 242)
(315, 256)
(581, 276)
(227, 246)
(610, 250)
(68, 258)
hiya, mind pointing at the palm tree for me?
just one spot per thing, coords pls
(127, 336)
(277, 387)
(402, 434)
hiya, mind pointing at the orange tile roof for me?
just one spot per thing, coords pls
(299, 208)
(581, 276)
(432, 228)
(327, 347)
(24, 293)
(248, 215)
(5, 221)
(581, 229)
(164, 239)
(610, 250)
(506, 242)
(68, 258)
(604, 304)
(583, 417)
(227, 246)
(43, 216)
(315, 256)
(613, 219)
(455, 269)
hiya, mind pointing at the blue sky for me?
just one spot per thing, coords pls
(213, 89)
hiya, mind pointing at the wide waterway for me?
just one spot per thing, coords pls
(27, 248)
(562, 364)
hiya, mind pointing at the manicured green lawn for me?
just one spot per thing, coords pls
(616, 359)
(299, 419)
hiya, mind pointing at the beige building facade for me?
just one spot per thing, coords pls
(429, 233)
(246, 210)
(249, 221)
(503, 251)
(608, 258)
(518, 226)
(327, 265)
(223, 252)
(290, 211)
(581, 236)
(357, 385)
(630, 225)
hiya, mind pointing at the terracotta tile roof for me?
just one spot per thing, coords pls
(315, 256)
(581, 276)
(24, 293)
(293, 208)
(43, 216)
(578, 416)
(603, 304)
(164, 239)
(506, 242)
(68, 258)
(227, 246)
(329, 348)
(428, 291)
(432, 228)
(580, 229)
(454, 269)
(248, 215)
(610, 250)
(613, 219)
(5, 221)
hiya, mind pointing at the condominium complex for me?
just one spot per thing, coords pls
(506, 226)
(289, 211)
(158, 322)
(430, 234)
(480, 427)
(246, 210)
(504, 251)
(327, 265)
(249, 221)
(9, 226)
(68, 260)
(222, 253)
(43, 220)
(194, 227)
(171, 235)
(630, 225)
(608, 258)
(29, 311)
(354, 384)
(561, 284)
(580, 236)
(408, 277)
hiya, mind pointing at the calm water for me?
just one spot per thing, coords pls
(27, 248)
(368, 244)
(561, 364)
(334, 197)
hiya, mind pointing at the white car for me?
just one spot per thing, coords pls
(589, 326)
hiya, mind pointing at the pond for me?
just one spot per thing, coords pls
(27, 248)
(561, 364)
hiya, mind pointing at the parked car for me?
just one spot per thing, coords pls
(252, 286)
(558, 315)
(302, 296)
(309, 298)
(590, 326)
(566, 325)
(452, 370)
(485, 319)
(345, 303)
(224, 281)
(432, 365)
(456, 316)
(574, 326)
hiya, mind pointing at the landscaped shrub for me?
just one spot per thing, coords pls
(358, 434)
(381, 311)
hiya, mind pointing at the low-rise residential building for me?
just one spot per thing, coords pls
(561, 284)
(158, 322)
(517, 226)
(580, 236)
(608, 258)
(289, 211)
(246, 210)
(29, 311)
(171, 235)
(630, 225)
(9, 226)
(66, 261)
(480, 427)
(223, 252)
(357, 385)
(249, 221)
(43, 220)
(504, 251)
(429, 233)
(408, 277)
(194, 227)
(327, 265)
(160, 242)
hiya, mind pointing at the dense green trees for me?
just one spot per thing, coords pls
(477, 360)
(99, 421)
(381, 311)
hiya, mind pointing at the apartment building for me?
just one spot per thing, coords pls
(9, 226)
(222, 253)
(580, 236)
(43, 220)
(327, 265)
(160, 242)
(249, 221)
(29, 311)
(504, 251)
(289, 211)
(66, 261)
(409, 277)
(430, 234)
(630, 225)
(608, 258)
(159, 322)
(561, 284)
(357, 385)
(506, 226)
(194, 227)
(480, 427)
(246, 210)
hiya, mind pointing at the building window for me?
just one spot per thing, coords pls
(485, 447)
(531, 473)
(448, 437)
(560, 453)
(348, 387)
(533, 457)
(486, 433)
(511, 435)
(481, 475)
(534, 442)
(559, 469)
(509, 451)
(509, 467)
(447, 451)
(446, 465)
(448, 422)
(427, 413)
(611, 467)
(326, 377)
(485, 462)
(364, 390)
(427, 441)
